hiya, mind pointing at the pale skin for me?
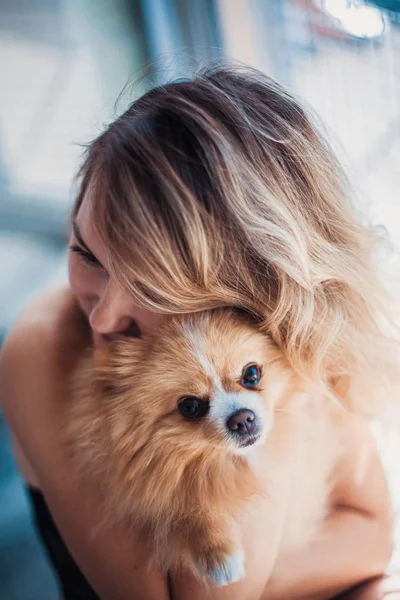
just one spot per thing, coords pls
(355, 542)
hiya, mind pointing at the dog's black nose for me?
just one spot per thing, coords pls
(242, 422)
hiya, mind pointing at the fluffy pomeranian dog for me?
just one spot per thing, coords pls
(180, 428)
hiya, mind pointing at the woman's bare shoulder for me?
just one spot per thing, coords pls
(48, 314)
(49, 322)
(50, 327)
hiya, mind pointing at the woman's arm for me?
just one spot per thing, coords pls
(352, 547)
(31, 375)
(356, 541)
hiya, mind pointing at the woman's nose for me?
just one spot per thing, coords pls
(113, 312)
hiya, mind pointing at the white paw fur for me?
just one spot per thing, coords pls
(229, 571)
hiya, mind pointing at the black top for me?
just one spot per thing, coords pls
(73, 584)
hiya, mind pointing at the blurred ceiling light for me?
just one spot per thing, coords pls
(355, 18)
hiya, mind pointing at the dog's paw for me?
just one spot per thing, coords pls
(230, 570)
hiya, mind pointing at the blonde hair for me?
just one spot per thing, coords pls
(219, 191)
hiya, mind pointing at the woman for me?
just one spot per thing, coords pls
(212, 192)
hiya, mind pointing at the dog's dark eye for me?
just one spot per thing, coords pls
(193, 408)
(251, 376)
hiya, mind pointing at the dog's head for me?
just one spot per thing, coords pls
(206, 380)
(171, 423)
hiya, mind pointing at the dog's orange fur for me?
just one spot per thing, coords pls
(180, 484)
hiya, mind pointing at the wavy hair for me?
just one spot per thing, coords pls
(219, 190)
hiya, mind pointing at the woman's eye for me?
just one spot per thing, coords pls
(86, 256)
(251, 376)
(193, 408)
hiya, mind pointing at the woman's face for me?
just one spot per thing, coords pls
(107, 307)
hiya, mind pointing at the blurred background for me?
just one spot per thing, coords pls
(63, 64)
